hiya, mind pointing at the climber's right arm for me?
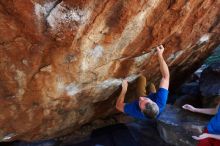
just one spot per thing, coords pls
(164, 83)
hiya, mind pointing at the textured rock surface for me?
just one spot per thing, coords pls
(176, 126)
(210, 81)
(61, 61)
(188, 99)
(191, 88)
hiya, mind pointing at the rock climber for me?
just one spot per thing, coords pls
(150, 106)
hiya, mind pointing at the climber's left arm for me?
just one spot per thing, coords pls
(120, 101)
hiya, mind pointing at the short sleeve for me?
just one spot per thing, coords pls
(151, 96)
(161, 98)
(132, 109)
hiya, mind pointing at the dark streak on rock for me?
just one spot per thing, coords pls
(49, 12)
(116, 12)
(171, 3)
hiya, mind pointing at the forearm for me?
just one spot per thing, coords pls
(121, 97)
(120, 101)
(215, 136)
(208, 111)
(163, 67)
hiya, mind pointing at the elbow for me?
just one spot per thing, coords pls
(117, 105)
(166, 77)
(167, 74)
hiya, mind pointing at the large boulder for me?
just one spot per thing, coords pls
(177, 126)
(191, 88)
(210, 80)
(189, 99)
(210, 102)
(62, 61)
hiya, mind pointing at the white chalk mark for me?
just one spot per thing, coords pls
(97, 52)
(62, 14)
(43, 10)
(72, 89)
(204, 38)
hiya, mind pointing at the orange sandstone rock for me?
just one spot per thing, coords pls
(61, 61)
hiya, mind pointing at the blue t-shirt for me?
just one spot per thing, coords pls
(214, 125)
(160, 98)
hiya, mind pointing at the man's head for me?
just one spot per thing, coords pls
(148, 107)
